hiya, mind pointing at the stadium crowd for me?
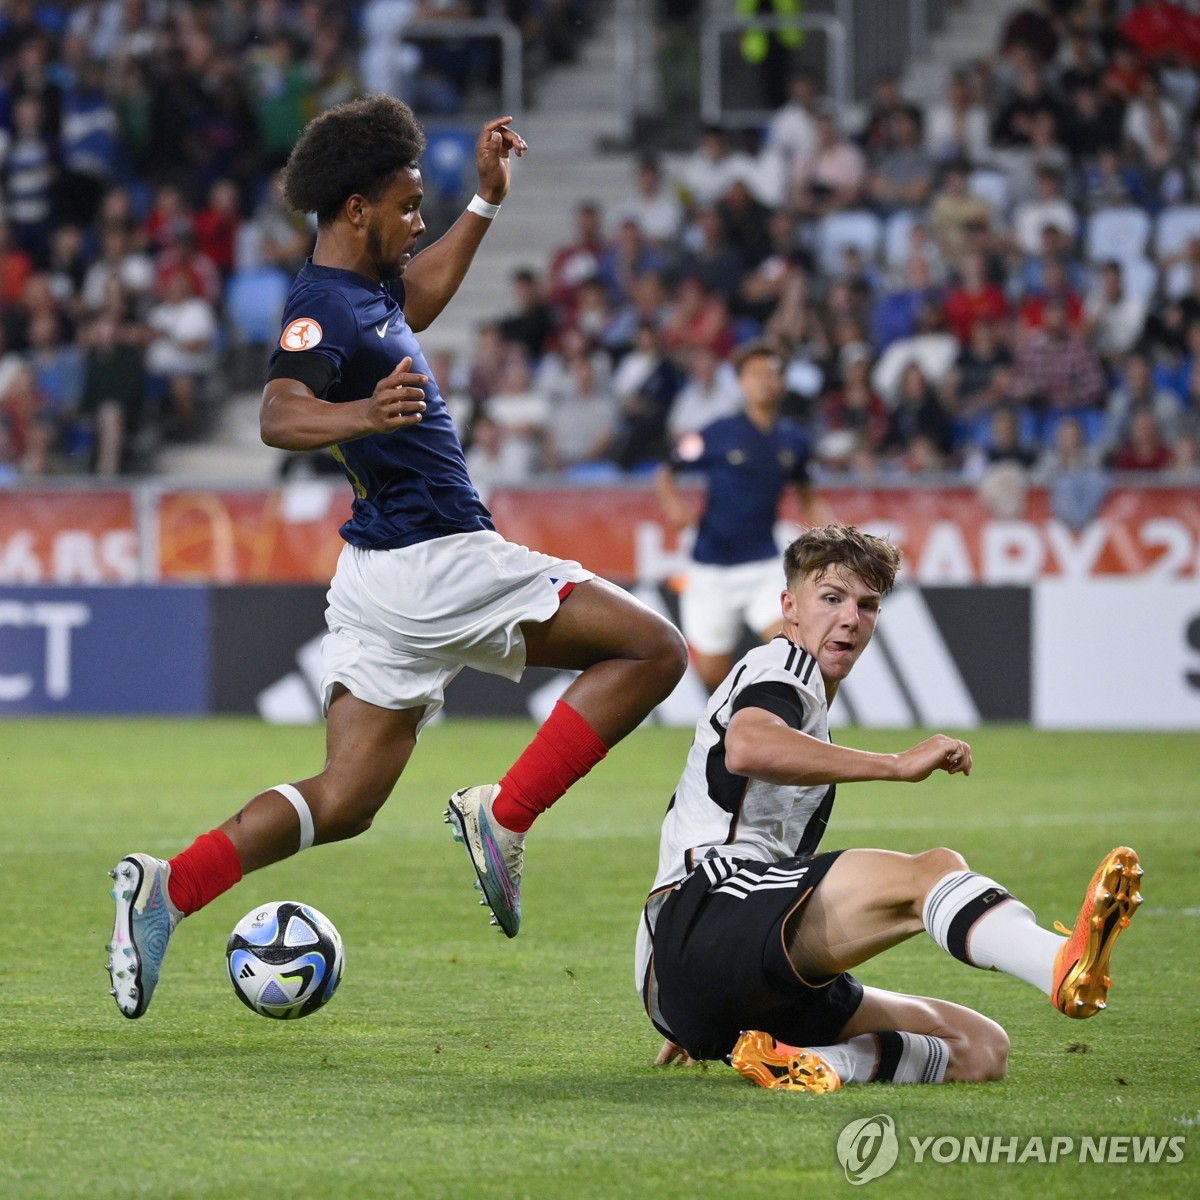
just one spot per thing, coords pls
(143, 241)
(1005, 285)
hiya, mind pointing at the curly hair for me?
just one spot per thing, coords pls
(357, 147)
(873, 559)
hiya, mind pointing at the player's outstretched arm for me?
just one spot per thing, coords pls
(760, 745)
(434, 274)
(291, 417)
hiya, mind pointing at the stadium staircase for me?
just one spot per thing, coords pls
(571, 131)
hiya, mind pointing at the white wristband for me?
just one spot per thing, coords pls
(481, 208)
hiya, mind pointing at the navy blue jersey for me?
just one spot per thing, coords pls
(746, 470)
(342, 334)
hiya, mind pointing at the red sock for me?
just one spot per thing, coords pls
(565, 749)
(208, 867)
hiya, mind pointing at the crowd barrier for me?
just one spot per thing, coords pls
(290, 534)
(150, 600)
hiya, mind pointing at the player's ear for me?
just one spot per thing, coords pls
(356, 210)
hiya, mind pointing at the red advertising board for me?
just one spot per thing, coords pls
(290, 535)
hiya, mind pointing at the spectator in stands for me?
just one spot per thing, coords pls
(1054, 285)
(1049, 207)
(578, 260)
(654, 207)
(896, 311)
(707, 254)
(646, 384)
(974, 297)
(180, 255)
(1143, 448)
(57, 369)
(1137, 389)
(182, 354)
(15, 268)
(1005, 442)
(1109, 181)
(917, 416)
(118, 258)
(762, 286)
(931, 347)
(169, 213)
(956, 213)
(1113, 319)
(981, 377)
(89, 144)
(1163, 29)
(887, 101)
(217, 225)
(282, 94)
(626, 256)
(1091, 122)
(957, 129)
(521, 411)
(1033, 27)
(273, 236)
(697, 317)
(1013, 123)
(1055, 368)
(903, 174)
(855, 407)
(582, 423)
(1022, 163)
(747, 226)
(595, 316)
(30, 175)
(494, 457)
(707, 174)
(709, 393)
(792, 130)
(530, 322)
(830, 178)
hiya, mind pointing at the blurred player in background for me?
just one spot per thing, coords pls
(424, 585)
(748, 461)
(749, 932)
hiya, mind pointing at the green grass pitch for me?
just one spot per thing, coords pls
(454, 1063)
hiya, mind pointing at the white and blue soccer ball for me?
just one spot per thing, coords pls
(285, 960)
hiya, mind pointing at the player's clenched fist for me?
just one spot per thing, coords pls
(398, 399)
(938, 753)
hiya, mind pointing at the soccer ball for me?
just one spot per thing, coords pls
(285, 959)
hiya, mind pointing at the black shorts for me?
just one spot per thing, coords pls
(721, 966)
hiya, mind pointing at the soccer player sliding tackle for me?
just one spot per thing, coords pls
(750, 931)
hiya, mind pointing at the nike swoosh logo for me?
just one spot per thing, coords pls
(382, 329)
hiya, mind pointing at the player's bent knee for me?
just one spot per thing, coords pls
(941, 861)
(979, 1051)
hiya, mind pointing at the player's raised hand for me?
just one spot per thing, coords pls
(398, 399)
(496, 142)
(938, 753)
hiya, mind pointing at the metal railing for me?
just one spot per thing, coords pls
(512, 64)
(864, 38)
(714, 109)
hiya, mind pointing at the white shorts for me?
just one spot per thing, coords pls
(719, 601)
(403, 623)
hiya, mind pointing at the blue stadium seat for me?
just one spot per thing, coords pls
(449, 153)
(1174, 228)
(1117, 233)
(838, 231)
(254, 301)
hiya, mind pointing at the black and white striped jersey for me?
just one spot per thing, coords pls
(716, 814)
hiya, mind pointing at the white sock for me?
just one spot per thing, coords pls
(888, 1058)
(976, 920)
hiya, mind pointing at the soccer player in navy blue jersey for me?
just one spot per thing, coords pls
(424, 585)
(748, 462)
